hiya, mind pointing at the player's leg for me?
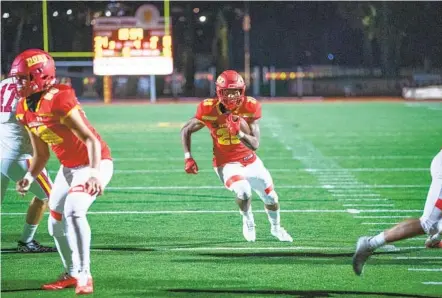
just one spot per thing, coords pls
(15, 170)
(429, 223)
(57, 228)
(4, 186)
(232, 175)
(77, 204)
(262, 183)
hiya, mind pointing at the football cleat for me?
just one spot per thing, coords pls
(248, 230)
(362, 253)
(34, 247)
(433, 242)
(85, 286)
(64, 281)
(281, 234)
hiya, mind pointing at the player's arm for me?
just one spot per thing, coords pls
(193, 125)
(74, 121)
(39, 159)
(251, 140)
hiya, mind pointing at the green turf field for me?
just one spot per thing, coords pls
(342, 170)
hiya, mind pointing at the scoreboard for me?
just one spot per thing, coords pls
(126, 46)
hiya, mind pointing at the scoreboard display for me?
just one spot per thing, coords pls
(124, 46)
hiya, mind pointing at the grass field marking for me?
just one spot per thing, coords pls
(362, 199)
(417, 258)
(432, 283)
(230, 211)
(355, 195)
(306, 158)
(368, 205)
(381, 216)
(343, 187)
(334, 176)
(426, 269)
(379, 223)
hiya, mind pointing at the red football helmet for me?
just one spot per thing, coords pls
(227, 81)
(34, 71)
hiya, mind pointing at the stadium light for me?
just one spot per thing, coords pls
(55, 14)
(108, 13)
(6, 15)
(69, 11)
(202, 19)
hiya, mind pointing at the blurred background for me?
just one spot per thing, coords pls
(162, 50)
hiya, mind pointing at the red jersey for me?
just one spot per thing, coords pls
(46, 122)
(228, 148)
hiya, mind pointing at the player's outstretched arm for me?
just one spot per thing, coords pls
(193, 125)
(76, 124)
(40, 158)
(251, 140)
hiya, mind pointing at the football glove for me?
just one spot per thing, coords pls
(233, 126)
(190, 166)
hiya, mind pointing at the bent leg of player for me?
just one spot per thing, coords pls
(232, 175)
(77, 204)
(429, 223)
(58, 230)
(4, 186)
(15, 170)
(262, 183)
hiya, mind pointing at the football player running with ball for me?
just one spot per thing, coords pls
(53, 117)
(235, 161)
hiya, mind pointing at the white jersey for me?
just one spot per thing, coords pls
(14, 139)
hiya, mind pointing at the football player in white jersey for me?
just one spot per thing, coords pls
(429, 223)
(15, 157)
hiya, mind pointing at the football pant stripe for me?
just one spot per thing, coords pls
(233, 179)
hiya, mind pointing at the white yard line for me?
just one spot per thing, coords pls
(379, 223)
(426, 269)
(380, 157)
(230, 211)
(382, 216)
(432, 283)
(332, 176)
(368, 205)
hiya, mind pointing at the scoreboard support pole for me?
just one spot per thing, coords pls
(107, 89)
(153, 89)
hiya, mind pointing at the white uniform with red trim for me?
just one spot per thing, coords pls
(15, 146)
(431, 219)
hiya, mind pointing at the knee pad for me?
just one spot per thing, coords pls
(242, 189)
(270, 198)
(430, 226)
(56, 225)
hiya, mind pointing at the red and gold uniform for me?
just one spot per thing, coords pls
(46, 122)
(228, 148)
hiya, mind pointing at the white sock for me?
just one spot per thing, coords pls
(274, 217)
(377, 241)
(58, 229)
(28, 233)
(79, 231)
(248, 215)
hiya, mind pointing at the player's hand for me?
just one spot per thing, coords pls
(190, 166)
(233, 125)
(94, 187)
(22, 186)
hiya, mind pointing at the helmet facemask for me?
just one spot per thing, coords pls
(231, 98)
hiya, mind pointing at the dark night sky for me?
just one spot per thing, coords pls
(284, 34)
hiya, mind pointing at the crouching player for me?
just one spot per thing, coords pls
(429, 223)
(53, 117)
(235, 161)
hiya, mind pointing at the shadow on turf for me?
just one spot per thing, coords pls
(33, 285)
(303, 294)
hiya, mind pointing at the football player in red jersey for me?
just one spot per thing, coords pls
(235, 161)
(53, 117)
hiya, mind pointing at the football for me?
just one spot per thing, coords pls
(245, 128)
